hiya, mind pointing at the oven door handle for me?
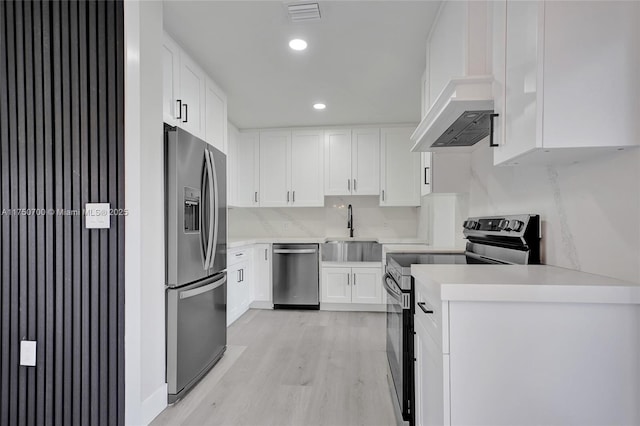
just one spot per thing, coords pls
(485, 259)
(393, 293)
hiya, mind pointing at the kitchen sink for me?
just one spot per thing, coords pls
(351, 251)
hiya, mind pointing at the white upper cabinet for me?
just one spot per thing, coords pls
(307, 167)
(291, 166)
(445, 172)
(191, 100)
(275, 174)
(399, 168)
(170, 80)
(215, 116)
(244, 156)
(566, 76)
(337, 173)
(365, 161)
(352, 162)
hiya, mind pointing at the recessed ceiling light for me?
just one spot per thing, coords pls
(298, 44)
(319, 106)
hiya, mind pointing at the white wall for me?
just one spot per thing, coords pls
(590, 210)
(370, 220)
(145, 387)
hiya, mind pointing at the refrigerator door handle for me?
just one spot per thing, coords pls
(208, 262)
(214, 208)
(205, 288)
(204, 244)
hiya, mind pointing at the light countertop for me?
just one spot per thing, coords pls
(522, 283)
(239, 242)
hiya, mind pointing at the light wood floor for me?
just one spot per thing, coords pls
(294, 368)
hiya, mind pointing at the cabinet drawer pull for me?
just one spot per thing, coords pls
(186, 113)
(425, 310)
(179, 116)
(491, 117)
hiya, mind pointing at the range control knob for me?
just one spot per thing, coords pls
(472, 224)
(503, 225)
(465, 224)
(516, 225)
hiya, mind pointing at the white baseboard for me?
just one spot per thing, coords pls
(355, 307)
(261, 304)
(154, 404)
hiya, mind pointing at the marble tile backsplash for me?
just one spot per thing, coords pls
(590, 211)
(370, 220)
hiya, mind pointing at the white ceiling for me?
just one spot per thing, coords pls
(364, 59)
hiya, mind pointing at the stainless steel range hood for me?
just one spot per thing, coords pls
(459, 118)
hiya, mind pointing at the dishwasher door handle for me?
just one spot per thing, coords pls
(300, 251)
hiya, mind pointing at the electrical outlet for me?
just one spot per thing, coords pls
(28, 353)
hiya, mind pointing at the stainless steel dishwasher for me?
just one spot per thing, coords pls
(295, 276)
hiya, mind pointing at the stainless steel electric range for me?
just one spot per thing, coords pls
(507, 240)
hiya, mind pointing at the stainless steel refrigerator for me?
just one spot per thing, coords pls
(196, 245)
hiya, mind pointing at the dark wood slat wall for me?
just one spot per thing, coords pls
(61, 146)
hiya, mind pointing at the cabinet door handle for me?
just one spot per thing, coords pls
(426, 170)
(239, 280)
(491, 117)
(186, 113)
(293, 196)
(179, 116)
(255, 196)
(425, 310)
(348, 279)
(383, 195)
(354, 279)
(355, 185)
(287, 196)
(265, 254)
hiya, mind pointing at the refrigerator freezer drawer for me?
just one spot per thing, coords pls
(196, 332)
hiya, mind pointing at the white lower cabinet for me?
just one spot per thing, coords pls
(351, 285)
(524, 363)
(262, 288)
(239, 282)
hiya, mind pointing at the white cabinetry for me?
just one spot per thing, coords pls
(170, 80)
(562, 92)
(445, 172)
(244, 169)
(519, 362)
(215, 122)
(262, 288)
(352, 159)
(192, 94)
(399, 168)
(291, 165)
(191, 100)
(239, 282)
(351, 285)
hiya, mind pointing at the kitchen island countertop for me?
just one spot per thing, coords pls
(522, 283)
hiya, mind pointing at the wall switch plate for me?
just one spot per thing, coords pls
(28, 353)
(96, 215)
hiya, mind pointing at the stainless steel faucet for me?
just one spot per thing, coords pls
(350, 220)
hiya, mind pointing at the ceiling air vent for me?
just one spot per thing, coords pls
(299, 12)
